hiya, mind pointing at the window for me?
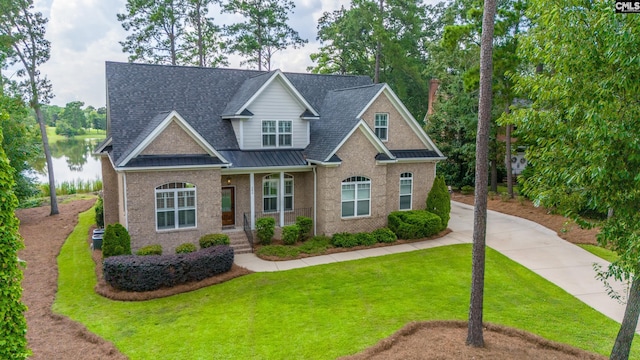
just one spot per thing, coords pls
(382, 126)
(276, 130)
(406, 190)
(356, 196)
(270, 188)
(175, 206)
(268, 133)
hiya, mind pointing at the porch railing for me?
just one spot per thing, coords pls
(289, 216)
(247, 230)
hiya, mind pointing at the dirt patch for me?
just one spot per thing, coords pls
(564, 227)
(445, 340)
(52, 336)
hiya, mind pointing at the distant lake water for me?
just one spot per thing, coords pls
(72, 160)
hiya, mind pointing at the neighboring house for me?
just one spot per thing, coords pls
(192, 151)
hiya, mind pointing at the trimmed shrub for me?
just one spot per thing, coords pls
(306, 226)
(384, 235)
(210, 240)
(150, 250)
(99, 209)
(186, 248)
(116, 241)
(146, 273)
(439, 201)
(345, 240)
(414, 224)
(365, 238)
(290, 234)
(265, 228)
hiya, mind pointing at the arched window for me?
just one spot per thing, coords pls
(406, 190)
(175, 206)
(270, 189)
(356, 196)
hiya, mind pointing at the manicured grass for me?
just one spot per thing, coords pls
(325, 311)
(603, 253)
(312, 246)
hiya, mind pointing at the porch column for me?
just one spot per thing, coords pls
(281, 199)
(252, 200)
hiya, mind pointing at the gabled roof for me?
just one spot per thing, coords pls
(265, 158)
(138, 95)
(339, 117)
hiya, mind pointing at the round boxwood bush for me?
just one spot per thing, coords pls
(414, 224)
(365, 238)
(290, 234)
(265, 228)
(186, 248)
(345, 240)
(306, 226)
(150, 250)
(116, 241)
(210, 240)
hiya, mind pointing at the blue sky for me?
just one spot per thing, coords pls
(85, 33)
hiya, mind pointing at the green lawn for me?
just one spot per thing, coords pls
(325, 311)
(91, 134)
(603, 253)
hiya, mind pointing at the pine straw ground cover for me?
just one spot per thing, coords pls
(53, 336)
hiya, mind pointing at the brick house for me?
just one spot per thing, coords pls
(192, 151)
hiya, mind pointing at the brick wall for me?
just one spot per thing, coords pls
(173, 140)
(400, 136)
(141, 207)
(110, 192)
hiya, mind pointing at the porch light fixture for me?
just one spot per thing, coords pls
(228, 180)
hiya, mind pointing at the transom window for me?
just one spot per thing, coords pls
(276, 133)
(381, 126)
(175, 206)
(356, 197)
(270, 189)
(406, 190)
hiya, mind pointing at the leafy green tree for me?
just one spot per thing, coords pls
(13, 325)
(203, 44)
(583, 127)
(156, 27)
(264, 32)
(24, 29)
(475, 336)
(100, 119)
(72, 120)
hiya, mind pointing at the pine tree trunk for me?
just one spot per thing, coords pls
(622, 346)
(376, 77)
(47, 155)
(475, 336)
(508, 157)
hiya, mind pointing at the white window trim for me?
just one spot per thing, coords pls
(400, 194)
(276, 181)
(386, 127)
(355, 200)
(277, 134)
(176, 209)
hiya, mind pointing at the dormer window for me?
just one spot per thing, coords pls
(381, 126)
(276, 133)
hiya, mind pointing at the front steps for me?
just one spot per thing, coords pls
(238, 241)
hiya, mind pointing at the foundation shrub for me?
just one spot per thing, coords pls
(365, 238)
(290, 234)
(99, 209)
(439, 201)
(210, 240)
(345, 240)
(306, 225)
(414, 224)
(116, 241)
(384, 235)
(146, 273)
(265, 228)
(150, 250)
(186, 248)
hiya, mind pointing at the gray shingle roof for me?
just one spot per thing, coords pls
(138, 95)
(173, 160)
(337, 118)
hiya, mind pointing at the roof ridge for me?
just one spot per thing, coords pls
(259, 72)
(358, 87)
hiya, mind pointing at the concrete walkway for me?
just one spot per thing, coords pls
(525, 242)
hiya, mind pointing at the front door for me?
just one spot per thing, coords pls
(228, 206)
